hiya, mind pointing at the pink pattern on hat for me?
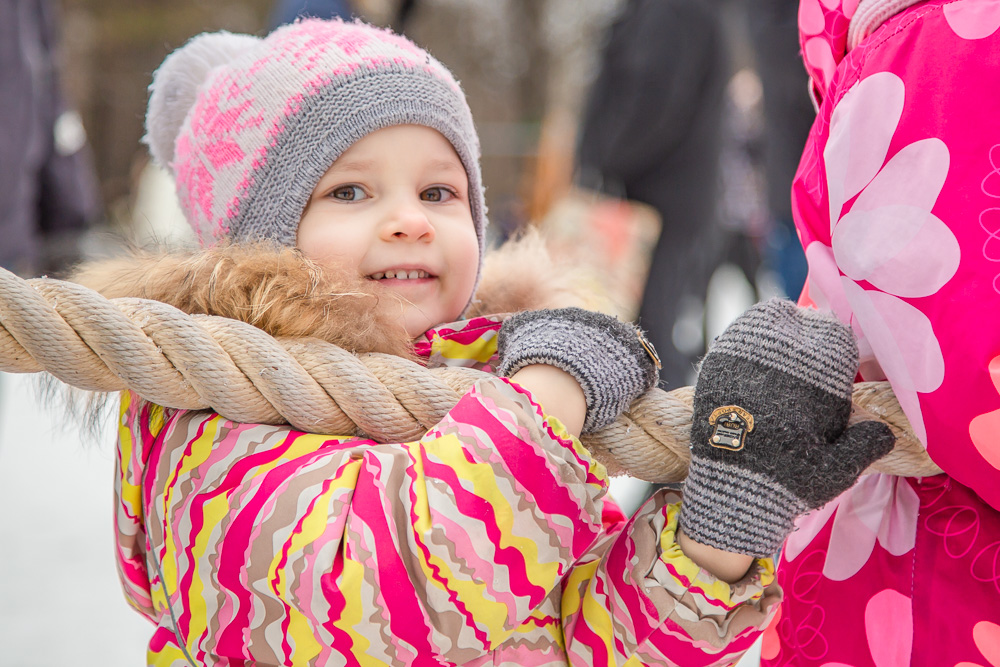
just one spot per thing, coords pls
(214, 124)
(195, 185)
(351, 43)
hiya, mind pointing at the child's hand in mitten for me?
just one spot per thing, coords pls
(769, 435)
(611, 360)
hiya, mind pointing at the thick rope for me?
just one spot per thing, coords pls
(199, 361)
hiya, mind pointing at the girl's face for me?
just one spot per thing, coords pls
(395, 206)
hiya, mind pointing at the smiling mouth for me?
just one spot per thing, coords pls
(400, 274)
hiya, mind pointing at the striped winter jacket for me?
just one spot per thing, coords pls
(490, 540)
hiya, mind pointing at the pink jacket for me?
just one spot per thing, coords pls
(897, 201)
(489, 541)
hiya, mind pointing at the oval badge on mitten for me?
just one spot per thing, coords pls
(769, 434)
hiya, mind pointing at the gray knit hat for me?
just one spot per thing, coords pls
(248, 126)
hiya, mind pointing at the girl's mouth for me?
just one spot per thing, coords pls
(400, 274)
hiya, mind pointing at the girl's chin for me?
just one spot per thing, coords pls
(417, 321)
(416, 327)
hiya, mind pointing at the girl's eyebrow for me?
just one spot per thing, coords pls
(353, 165)
(445, 165)
(364, 165)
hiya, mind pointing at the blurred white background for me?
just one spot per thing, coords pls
(60, 602)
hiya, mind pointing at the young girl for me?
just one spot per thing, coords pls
(490, 539)
(897, 199)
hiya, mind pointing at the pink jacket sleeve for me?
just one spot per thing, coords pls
(636, 595)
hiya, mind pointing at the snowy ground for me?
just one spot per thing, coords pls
(60, 603)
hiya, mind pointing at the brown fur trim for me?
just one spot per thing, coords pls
(287, 295)
(521, 275)
(275, 289)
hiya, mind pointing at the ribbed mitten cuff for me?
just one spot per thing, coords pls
(735, 510)
(606, 356)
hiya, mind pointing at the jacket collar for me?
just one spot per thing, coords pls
(870, 14)
(829, 29)
(469, 343)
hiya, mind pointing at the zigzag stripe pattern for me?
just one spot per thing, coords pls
(272, 546)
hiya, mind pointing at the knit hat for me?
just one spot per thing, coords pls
(248, 126)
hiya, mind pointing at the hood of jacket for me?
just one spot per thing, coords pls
(285, 294)
(829, 29)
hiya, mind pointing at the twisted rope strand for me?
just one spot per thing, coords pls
(197, 362)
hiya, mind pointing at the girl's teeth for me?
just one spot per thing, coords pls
(400, 275)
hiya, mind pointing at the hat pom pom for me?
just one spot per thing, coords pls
(176, 83)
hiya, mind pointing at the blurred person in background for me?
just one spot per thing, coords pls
(48, 191)
(286, 11)
(788, 115)
(651, 132)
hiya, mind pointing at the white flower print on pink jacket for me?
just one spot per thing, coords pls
(897, 203)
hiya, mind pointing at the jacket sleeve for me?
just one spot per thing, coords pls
(139, 425)
(439, 547)
(637, 596)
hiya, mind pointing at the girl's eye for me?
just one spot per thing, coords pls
(437, 193)
(349, 193)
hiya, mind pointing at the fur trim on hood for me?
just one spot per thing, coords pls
(287, 295)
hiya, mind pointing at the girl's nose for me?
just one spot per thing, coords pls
(407, 221)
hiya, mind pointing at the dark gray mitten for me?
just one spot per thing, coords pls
(611, 359)
(769, 435)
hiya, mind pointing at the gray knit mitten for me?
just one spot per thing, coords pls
(769, 435)
(612, 360)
